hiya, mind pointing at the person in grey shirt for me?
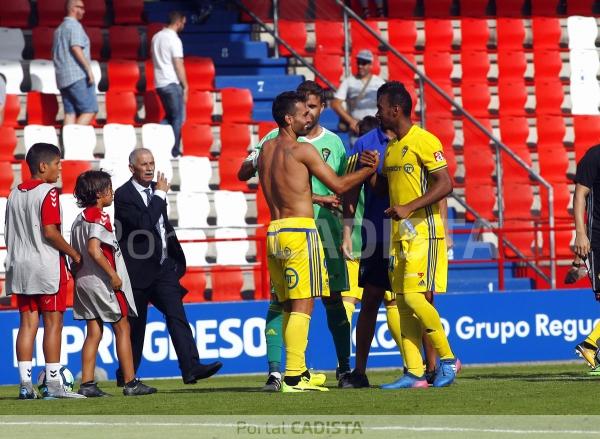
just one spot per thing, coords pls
(72, 64)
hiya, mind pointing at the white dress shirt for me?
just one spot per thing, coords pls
(161, 223)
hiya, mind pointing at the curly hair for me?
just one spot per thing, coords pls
(89, 185)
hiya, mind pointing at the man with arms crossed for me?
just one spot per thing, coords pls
(295, 255)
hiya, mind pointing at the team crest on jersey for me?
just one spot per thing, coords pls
(422, 283)
(291, 278)
(439, 156)
(408, 168)
(326, 152)
(404, 150)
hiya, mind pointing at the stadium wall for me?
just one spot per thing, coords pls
(483, 328)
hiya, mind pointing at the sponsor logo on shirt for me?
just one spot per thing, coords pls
(438, 156)
(326, 152)
(408, 168)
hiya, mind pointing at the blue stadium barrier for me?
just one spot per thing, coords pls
(483, 328)
(200, 45)
(262, 87)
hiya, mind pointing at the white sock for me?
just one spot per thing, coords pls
(53, 372)
(276, 374)
(25, 371)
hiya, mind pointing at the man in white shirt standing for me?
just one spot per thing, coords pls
(169, 74)
(359, 92)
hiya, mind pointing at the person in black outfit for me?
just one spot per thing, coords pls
(155, 262)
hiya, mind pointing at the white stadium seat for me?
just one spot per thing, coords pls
(194, 174)
(159, 139)
(118, 170)
(43, 78)
(2, 213)
(233, 252)
(195, 252)
(13, 73)
(12, 43)
(33, 134)
(119, 140)
(79, 142)
(582, 32)
(231, 208)
(69, 210)
(192, 209)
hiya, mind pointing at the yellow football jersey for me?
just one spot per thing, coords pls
(408, 164)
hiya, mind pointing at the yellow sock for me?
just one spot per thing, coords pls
(432, 324)
(349, 306)
(594, 336)
(296, 338)
(410, 336)
(393, 321)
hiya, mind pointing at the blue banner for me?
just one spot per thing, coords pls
(482, 328)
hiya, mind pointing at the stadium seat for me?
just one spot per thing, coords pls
(582, 32)
(475, 34)
(402, 35)
(401, 8)
(195, 283)
(71, 169)
(192, 209)
(128, 11)
(153, 107)
(481, 196)
(562, 243)
(70, 210)
(473, 8)
(514, 132)
(362, 39)
(231, 208)
(149, 75)
(439, 35)
(226, 285)
(118, 169)
(13, 74)
(12, 43)
(296, 10)
(476, 98)
(8, 143)
(437, 8)
(121, 107)
(124, 42)
(25, 172)
(3, 201)
(478, 158)
(546, 33)
(330, 66)
(510, 33)
(159, 139)
(96, 42)
(39, 133)
(562, 200)
(41, 108)
(231, 252)
(123, 75)
(197, 139)
(443, 128)
(119, 140)
(42, 41)
(194, 173)
(553, 162)
(328, 10)
(237, 105)
(511, 64)
(329, 37)
(509, 8)
(438, 66)
(199, 107)
(261, 8)
(544, 8)
(435, 104)
(79, 142)
(50, 12)
(512, 96)
(399, 71)
(15, 13)
(12, 108)
(551, 131)
(200, 73)
(475, 65)
(580, 7)
(6, 178)
(547, 64)
(518, 199)
(43, 78)
(262, 208)
(228, 180)
(294, 34)
(264, 128)
(151, 30)
(587, 133)
(519, 237)
(549, 96)
(95, 10)
(235, 140)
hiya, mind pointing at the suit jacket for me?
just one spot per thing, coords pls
(138, 237)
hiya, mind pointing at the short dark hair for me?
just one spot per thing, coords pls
(367, 124)
(309, 87)
(398, 95)
(40, 153)
(175, 16)
(89, 185)
(284, 104)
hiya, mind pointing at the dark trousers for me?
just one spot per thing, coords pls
(165, 294)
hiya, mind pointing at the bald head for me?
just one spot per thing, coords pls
(75, 9)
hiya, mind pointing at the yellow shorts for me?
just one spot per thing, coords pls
(354, 291)
(295, 259)
(419, 265)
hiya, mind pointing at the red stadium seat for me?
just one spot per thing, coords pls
(546, 32)
(476, 98)
(551, 131)
(509, 8)
(261, 8)
(226, 285)
(401, 8)
(15, 13)
(121, 107)
(479, 161)
(438, 66)
(296, 10)
(25, 172)
(262, 288)
(362, 39)
(128, 11)
(548, 96)
(437, 8)
(228, 167)
(512, 96)
(50, 12)
(237, 105)
(544, 7)
(580, 7)
(235, 140)
(329, 37)
(398, 71)
(328, 10)
(12, 108)
(330, 66)
(41, 37)
(71, 169)
(124, 42)
(264, 128)
(197, 139)
(199, 108)
(149, 74)
(553, 162)
(562, 200)
(547, 64)
(195, 283)
(151, 30)
(514, 131)
(262, 208)
(519, 237)
(475, 34)
(481, 196)
(474, 8)
(438, 35)
(587, 133)
(402, 35)
(511, 64)
(155, 112)
(475, 65)
(95, 10)
(562, 242)
(123, 75)
(294, 33)
(8, 143)
(518, 199)
(200, 73)
(510, 33)
(443, 129)
(96, 42)
(41, 108)
(435, 104)
(6, 178)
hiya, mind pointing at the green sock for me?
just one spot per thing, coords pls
(338, 324)
(274, 336)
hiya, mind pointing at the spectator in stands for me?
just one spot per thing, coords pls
(359, 92)
(155, 263)
(2, 98)
(365, 8)
(72, 63)
(169, 74)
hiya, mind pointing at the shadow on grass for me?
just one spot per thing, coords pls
(536, 377)
(213, 390)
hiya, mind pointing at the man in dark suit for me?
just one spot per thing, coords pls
(155, 262)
